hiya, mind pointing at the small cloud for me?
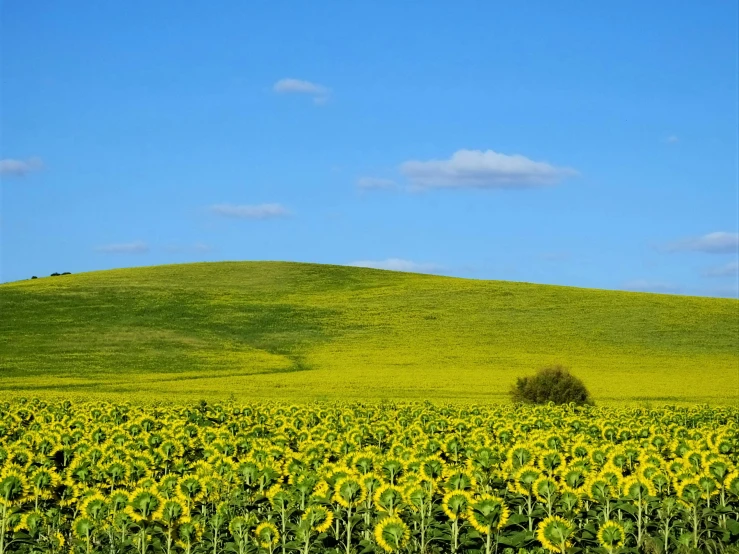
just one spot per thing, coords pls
(396, 264)
(729, 270)
(137, 247)
(260, 211)
(319, 93)
(712, 243)
(370, 183)
(20, 168)
(672, 139)
(198, 247)
(645, 285)
(484, 170)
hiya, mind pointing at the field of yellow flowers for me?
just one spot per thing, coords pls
(366, 478)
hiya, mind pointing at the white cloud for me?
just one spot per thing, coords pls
(260, 211)
(712, 243)
(137, 247)
(397, 264)
(478, 169)
(19, 168)
(319, 93)
(368, 183)
(729, 270)
(672, 139)
(198, 248)
(645, 285)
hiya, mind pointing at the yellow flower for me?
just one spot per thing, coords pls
(554, 532)
(611, 535)
(487, 513)
(319, 517)
(267, 534)
(392, 534)
(455, 503)
(349, 492)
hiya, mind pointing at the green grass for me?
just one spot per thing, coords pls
(260, 330)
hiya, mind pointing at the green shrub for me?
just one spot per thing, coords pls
(551, 384)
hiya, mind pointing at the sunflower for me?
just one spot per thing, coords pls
(545, 488)
(267, 535)
(611, 536)
(455, 504)
(172, 511)
(188, 533)
(392, 534)
(82, 528)
(349, 492)
(524, 479)
(690, 491)
(143, 503)
(554, 533)
(319, 517)
(638, 488)
(388, 498)
(118, 500)
(432, 468)
(13, 485)
(43, 481)
(94, 507)
(30, 522)
(459, 480)
(487, 513)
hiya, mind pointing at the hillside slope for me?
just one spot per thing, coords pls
(306, 331)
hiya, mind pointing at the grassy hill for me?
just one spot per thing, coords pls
(307, 331)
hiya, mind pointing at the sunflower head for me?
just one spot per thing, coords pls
(432, 468)
(554, 534)
(143, 503)
(239, 528)
(388, 498)
(171, 511)
(31, 522)
(611, 535)
(455, 503)
(188, 533)
(83, 527)
(545, 488)
(392, 534)
(525, 478)
(13, 485)
(487, 513)
(349, 492)
(319, 518)
(267, 534)
(94, 507)
(460, 481)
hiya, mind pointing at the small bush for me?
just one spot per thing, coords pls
(551, 384)
(55, 274)
(34, 277)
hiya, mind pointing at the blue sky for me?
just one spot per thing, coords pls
(580, 143)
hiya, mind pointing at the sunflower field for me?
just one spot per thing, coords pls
(366, 478)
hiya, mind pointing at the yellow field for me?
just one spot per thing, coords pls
(272, 330)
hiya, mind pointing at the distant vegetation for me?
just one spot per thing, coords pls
(306, 331)
(551, 384)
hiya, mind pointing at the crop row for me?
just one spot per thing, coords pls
(414, 478)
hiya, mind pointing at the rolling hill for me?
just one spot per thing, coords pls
(261, 330)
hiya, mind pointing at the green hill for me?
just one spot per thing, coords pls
(306, 331)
